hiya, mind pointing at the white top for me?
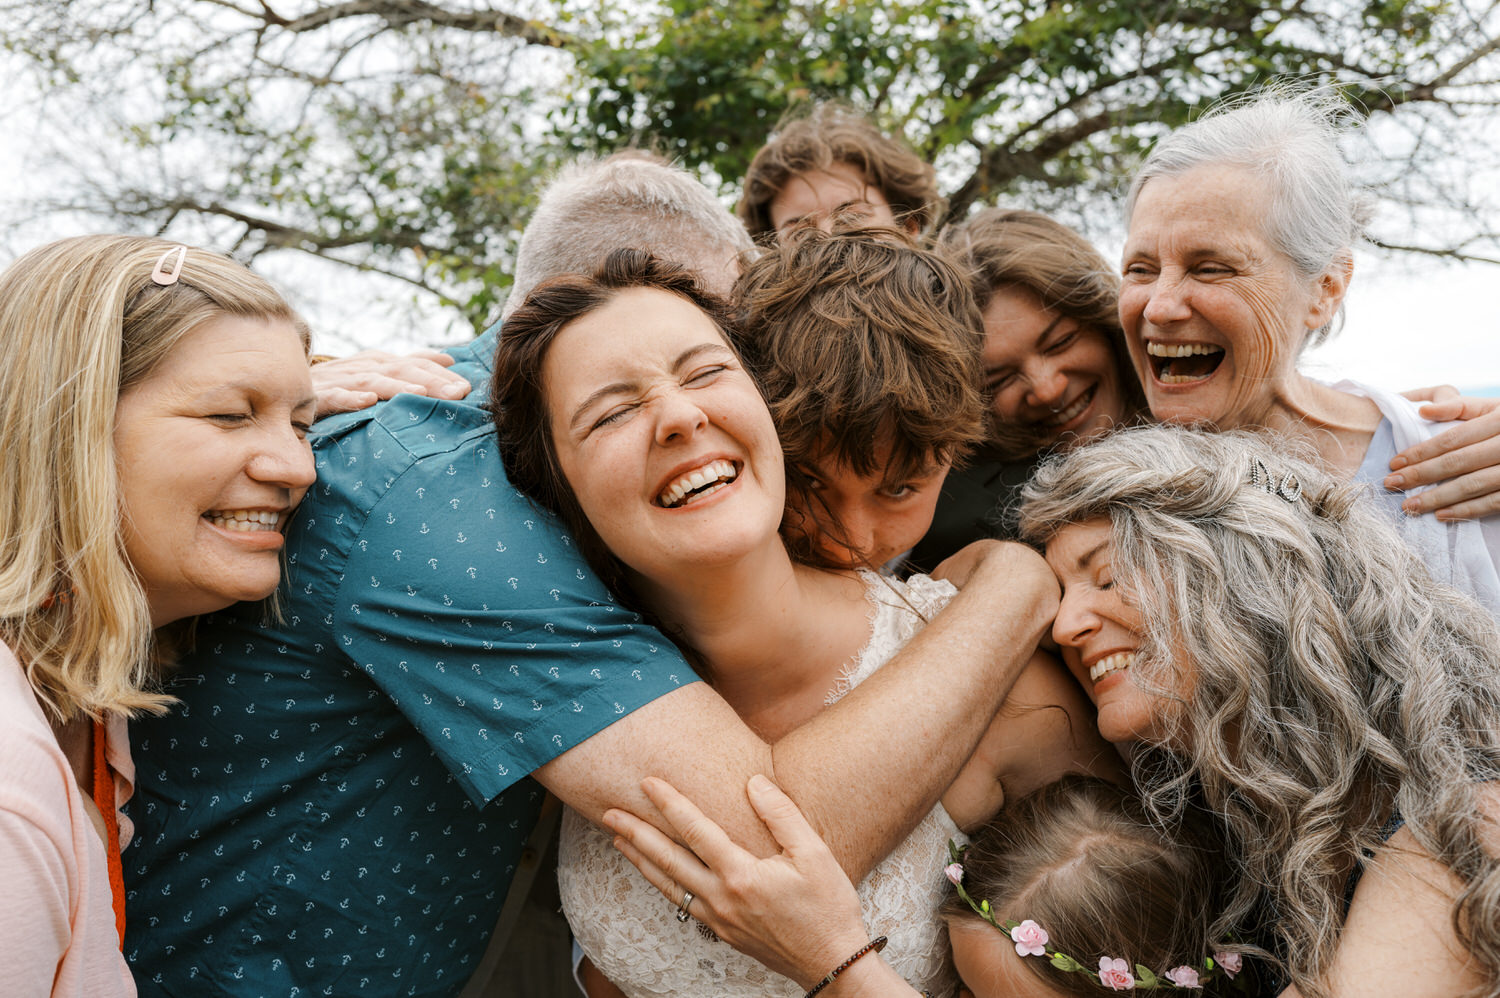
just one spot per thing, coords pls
(631, 932)
(57, 922)
(1463, 554)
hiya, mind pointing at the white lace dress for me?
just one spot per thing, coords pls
(631, 933)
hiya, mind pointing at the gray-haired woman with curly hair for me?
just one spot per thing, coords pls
(1261, 640)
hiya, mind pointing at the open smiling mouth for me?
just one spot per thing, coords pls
(1074, 409)
(244, 520)
(1118, 662)
(698, 484)
(1180, 363)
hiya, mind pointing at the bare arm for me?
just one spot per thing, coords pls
(796, 911)
(344, 384)
(1045, 730)
(1462, 463)
(865, 770)
(1399, 938)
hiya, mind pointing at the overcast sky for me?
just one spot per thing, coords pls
(1410, 321)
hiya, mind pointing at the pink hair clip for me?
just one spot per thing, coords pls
(166, 275)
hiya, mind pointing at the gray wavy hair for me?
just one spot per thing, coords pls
(1334, 684)
(1290, 138)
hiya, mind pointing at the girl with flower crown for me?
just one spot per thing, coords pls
(1074, 888)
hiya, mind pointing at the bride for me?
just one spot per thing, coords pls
(623, 406)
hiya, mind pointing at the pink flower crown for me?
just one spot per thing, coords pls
(1031, 939)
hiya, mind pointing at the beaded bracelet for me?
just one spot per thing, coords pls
(874, 945)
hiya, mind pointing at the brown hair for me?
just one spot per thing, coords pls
(832, 133)
(81, 320)
(1081, 858)
(860, 338)
(518, 402)
(1011, 248)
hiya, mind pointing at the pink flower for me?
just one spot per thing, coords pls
(1116, 975)
(955, 872)
(1231, 962)
(1184, 977)
(1030, 939)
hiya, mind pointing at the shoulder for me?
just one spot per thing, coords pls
(1398, 937)
(1407, 425)
(899, 609)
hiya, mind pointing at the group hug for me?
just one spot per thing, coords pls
(896, 605)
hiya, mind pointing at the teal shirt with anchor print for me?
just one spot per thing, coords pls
(338, 803)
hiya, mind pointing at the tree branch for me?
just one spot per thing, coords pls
(400, 13)
(1452, 253)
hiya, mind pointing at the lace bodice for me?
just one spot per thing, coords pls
(630, 931)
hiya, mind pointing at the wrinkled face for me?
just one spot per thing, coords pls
(212, 457)
(1214, 314)
(1047, 372)
(663, 436)
(987, 962)
(881, 517)
(1099, 632)
(822, 193)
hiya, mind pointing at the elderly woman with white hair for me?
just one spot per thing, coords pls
(1238, 257)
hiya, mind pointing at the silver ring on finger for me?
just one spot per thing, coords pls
(682, 909)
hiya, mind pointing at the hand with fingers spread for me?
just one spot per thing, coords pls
(346, 384)
(796, 912)
(1461, 463)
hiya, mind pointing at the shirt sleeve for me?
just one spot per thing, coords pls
(34, 925)
(474, 613)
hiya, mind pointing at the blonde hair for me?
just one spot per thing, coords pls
(81, 320)
(1334, 683)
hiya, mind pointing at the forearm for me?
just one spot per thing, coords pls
(866, 770)
(871, 977)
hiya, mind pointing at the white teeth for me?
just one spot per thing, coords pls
(1111, 663)
(1181, 350)
(686, 488)
(1071, 412)
(243, 520)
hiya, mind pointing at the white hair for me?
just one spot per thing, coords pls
(1289, 138)
(630, 200)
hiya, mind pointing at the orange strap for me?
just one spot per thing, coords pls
(104, 799)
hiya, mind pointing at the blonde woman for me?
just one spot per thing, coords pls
(151, 449)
